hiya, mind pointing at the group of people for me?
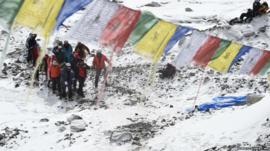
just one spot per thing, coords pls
(258, 9)
(66, 68)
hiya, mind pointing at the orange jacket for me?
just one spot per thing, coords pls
(54, 71)
(99, 64)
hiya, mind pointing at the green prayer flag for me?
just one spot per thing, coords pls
(222, 47)
(8, 11)
(146, 22)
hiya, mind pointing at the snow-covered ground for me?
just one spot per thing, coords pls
(134, 115)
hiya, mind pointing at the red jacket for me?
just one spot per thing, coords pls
(82, 71)
(99, 63)
(54, 71)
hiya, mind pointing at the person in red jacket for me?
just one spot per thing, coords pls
(82, 74)
(99, 65)
(55, 76)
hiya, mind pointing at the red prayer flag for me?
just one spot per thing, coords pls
(206, 51)
(264, 59)
(119, 28)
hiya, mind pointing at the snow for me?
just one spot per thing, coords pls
(168, 100)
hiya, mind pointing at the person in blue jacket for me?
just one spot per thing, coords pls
(67, 50)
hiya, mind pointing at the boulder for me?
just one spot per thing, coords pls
(78, 125)
(188, 9)
(61, 129)
(73, 117)
(44, 120)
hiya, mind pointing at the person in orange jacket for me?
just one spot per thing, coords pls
(55, 76)
(99, 65)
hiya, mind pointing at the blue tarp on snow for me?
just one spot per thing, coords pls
(179, 33)
(242, 51)
(222, 102)
(70, 7)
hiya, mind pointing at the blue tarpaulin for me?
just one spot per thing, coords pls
(222, 102)
(242, 51)
(70, 7)
(179, 33)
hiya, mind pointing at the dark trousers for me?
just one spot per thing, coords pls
(75, 80)
(81, 85)
(37, 75)
(29, 57)
(56, 85)
(63, 89)
(98, 73)
(246, 17)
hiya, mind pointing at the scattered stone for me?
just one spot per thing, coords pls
(59, 123)
(153, 4)
(9, 134)
(44, 120)
(61, 129)
(73, 117)
(120, 138)
(78, 125)
(188, 9)
(17, 85)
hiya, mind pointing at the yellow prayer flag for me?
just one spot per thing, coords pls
(222, 63)
(153, 43)
(39, 15)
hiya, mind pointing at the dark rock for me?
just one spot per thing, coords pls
(73, 117)
(153, 4)
(188, 9)
(44, 120)
(61, 129)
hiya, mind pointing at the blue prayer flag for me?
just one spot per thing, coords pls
(179, 33)
(70, 7)
(242, 52)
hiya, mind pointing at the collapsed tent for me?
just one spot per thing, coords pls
(206, 51)
(90, 27)
(189, 49)
(8, 11)
(145, 23)
(119, 28)
(39, 15)
(222, 102)
(222, 63)
(153, 43)
(70, 7)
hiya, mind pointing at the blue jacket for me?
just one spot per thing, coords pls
(67, 53)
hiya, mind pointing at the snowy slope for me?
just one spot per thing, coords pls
(134, 115)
